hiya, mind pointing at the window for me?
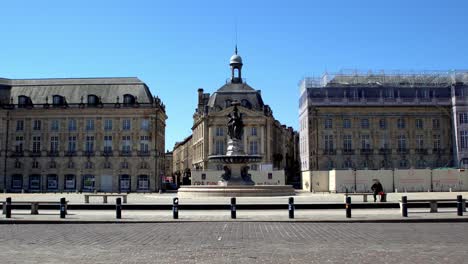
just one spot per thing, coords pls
(124, 165)
(347, 142)
(348, 164)
(19, 125)
(463, 118)
(24, 101)
(436, 142)
(253, 131)
(219, 147)
(107, 165)
(19, 144)
(52, 164)
(403, 163)
(421, 164)
(69, 181)
(145, 124)
(107, 144)
(144, 144)
(88, 183)
(126, 124)
(36, 144)
(124, 183)
(144, 165)
(108, 124)
(328, 142)
(35, 182)
(401, 142)
(129, 99)
(89, 145)
(419, 124)
(72, 144)
(52, 182)
(383, 124)
(365, 142)
(419, 141)
(253, 147)
(17, 181)
(89, 124)
(464, 139)
(93, 100)
(37, 125)
(71, 165)
(54, 144)
(328, 123)
(71, 125)
(365, 123)
(143, 182)
(58, 100)
(54, 125)
(401, 123)
(384, 142)
(88, 165)
(219, 131)
(435, 123)
(126, 144)
(18, 164)
(35, 164)
(346, 123)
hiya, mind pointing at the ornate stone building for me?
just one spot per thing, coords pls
(384, 121)
(263, 134)
(90, 134)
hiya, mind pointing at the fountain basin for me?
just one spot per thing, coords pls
(235, 191)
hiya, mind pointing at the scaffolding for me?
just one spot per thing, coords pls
(345, 78)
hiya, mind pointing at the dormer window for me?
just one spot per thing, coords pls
(58, 100)
(24, 101)
(245, 103)
(128, 100)
(228, 103)
(93, 100)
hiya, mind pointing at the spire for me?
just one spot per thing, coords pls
(235, 51)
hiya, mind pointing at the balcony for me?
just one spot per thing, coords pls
(17, 154)
(421, 151)
(143, 153)
(402, 151)
(366, 151)
(89, 153)
(438, 151)
(125, 153)
(53, 153)
(35, 154)
(70, 153)
(385, 151)
(107, 153)
(348, 151)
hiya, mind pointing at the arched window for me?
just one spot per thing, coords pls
(24, 101)
(58, 100)
(93, 100)
(128, 100)
(228, 103)
(245, 103)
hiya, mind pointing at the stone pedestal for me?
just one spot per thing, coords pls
(239, 176)
(234, 147)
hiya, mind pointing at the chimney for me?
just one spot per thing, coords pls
(200, 99)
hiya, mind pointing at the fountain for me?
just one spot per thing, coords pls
(236, 180)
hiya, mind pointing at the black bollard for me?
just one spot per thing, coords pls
(63, 210)
(459, 205)
(233, 208)
(118, 208)
(175, 208)
(291, 207)
(404, 206)
(348, 207)
(8, 207)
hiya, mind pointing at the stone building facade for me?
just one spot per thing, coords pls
(384, 121)
(182, 161)
(89, 134)
(263, 134)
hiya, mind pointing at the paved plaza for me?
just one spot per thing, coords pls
(239, 242)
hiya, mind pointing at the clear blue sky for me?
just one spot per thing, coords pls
(177, 47)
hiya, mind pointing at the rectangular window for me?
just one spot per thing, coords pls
(19, 125)
(419, 141)
(384, 142)
(126, 124)
(37, 125)
(383, 124)
(89, 147)
(89, 124)
(253, 147)
(71, 125)
(435, 123)
(19, 144)
(365, 123)
(17, 181)
(328, 142)
(254, 131)
(401, 123)
(54, 147)
(143, 182)
(219, 131)
(145, 124)
(419, 124)
(463, 118)
(365, 142)
(36, 144)
(107, 144)
(347, 143)
(328, 123)
(402, 142)
(126, 144)
(108, 124)
(72, 144)
(464, 139)
(436, 142)
(69, 181)
(219, 147)
(54, 125)
(144, 144)
(346, 123)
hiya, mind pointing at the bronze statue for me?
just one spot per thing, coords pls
(235, 124)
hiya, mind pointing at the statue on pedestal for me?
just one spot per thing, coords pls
(235, 124)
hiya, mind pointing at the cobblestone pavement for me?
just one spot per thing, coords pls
(235, 242)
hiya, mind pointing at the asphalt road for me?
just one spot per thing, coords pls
(235, 242)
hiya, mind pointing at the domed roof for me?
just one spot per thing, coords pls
(235, 59)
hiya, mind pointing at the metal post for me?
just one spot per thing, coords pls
(348, 207)
(175, 208)
(8, 207)
(459, 205)
(118, 208)
(233, 208)
(404, 206)
(291, 207)
(63, 210)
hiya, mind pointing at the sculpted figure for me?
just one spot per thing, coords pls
(235, 124)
